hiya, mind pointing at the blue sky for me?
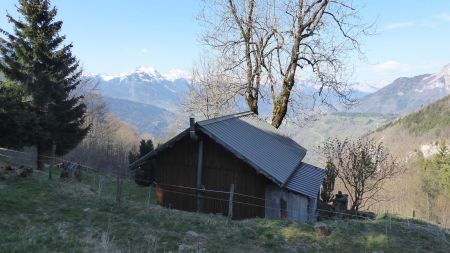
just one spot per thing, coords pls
(112, 36)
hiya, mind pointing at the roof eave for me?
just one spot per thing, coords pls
(156, 151)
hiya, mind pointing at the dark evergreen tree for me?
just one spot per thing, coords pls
(145, 147)
(34, 57)
(17, 120)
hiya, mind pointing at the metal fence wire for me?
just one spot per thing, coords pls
(106, 187)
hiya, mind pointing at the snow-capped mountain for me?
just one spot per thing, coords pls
(407, 94)
(176, 74)
(368, 87)
(149, 100)
(143, 97)
(145, 85)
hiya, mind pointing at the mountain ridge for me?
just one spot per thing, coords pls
(146, 87)
(407, 94)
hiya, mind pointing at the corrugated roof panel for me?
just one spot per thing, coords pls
(306, 180)
(257, 142)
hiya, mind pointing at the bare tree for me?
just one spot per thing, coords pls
(273, 43)
(210, 93)
(109, 140)
(363, 166)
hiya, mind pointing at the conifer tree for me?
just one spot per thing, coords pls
(145, 147)
(17, 119)
(34, 57)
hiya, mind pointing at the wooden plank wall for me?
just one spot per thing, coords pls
(221, 169)
(178, 166)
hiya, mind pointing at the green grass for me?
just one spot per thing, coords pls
(38, 215)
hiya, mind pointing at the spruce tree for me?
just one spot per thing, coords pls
(34, 57)
(17, 119)
(146, 146)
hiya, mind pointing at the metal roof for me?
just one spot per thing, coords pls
(258, 143)
(262, 146)
(306, 180)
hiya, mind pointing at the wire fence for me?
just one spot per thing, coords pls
(110, 185)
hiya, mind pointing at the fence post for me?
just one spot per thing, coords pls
(53, 160)
(390, 223)
(100, 184)
(119, 187)
(149, 195)
(414, 213)
(386, 223)
(230, 202)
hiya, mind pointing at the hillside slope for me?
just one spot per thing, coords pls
(38, 215)
(407, 94)
(146, 118)
(335, 125)
(424, 127)
(412, 138)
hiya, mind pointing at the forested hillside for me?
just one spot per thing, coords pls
(424, 127)
(340, 125)
(421, 139)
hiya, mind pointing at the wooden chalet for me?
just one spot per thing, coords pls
(196, 169)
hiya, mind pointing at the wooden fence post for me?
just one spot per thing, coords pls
(100, 185)
(53, 160)
(230, 202)
(199, 177)
(119, 187)
(149, 195)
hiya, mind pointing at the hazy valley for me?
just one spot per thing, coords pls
(150, 102)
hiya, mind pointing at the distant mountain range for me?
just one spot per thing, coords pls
(143, 98)
(149, 101)
(407, 94)
(144, 85)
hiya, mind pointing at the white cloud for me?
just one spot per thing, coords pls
(443, 16)
(400, 25)
(370, 85)
(144, 50)
(391, 66)
(428, 22)
(175, 74)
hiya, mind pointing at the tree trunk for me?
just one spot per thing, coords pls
(281, 104)
(252, 103)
